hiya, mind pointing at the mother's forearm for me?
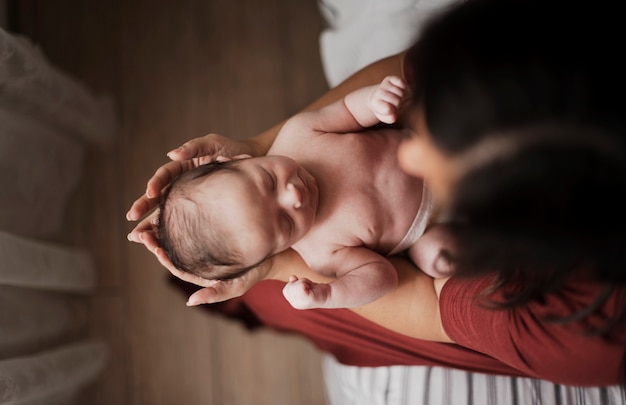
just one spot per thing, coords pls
(411, 309)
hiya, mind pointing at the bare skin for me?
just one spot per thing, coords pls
(366, 206)
(207, 148)
(328, 189)
(411, 308)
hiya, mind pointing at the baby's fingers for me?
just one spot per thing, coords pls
(385, 111)
(390, 98)
(394, 84)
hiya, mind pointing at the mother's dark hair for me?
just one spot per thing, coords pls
(549, 71)
(495, 64)
(547, 207)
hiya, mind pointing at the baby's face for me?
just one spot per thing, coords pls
(263, 206)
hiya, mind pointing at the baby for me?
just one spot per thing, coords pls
(327, 188)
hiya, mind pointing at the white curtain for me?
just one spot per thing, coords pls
(46, 121)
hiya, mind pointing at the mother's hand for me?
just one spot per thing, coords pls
(213, 290)
(191, 154)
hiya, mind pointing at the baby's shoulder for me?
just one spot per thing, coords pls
(293, 133)
(332, 235)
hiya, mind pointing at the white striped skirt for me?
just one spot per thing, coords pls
(426, 385)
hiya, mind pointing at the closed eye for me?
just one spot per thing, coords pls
(272, 181)
(290, 223)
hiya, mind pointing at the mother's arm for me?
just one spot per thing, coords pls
(411, 309)
(203, 149)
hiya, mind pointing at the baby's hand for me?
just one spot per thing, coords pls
(305, 294)
(385, 100)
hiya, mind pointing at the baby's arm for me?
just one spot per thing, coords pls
(365, 276)
(362, 108)
(374, 104)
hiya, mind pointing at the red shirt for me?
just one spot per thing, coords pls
(515, 342)
(522, 338)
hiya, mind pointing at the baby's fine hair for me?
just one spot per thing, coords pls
(187, 233)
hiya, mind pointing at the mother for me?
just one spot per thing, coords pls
(518, 125)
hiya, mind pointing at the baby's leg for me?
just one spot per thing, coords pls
(426, 252)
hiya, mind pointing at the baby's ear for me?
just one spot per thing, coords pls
(229, 158)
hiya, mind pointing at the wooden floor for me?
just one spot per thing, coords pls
(177, 70)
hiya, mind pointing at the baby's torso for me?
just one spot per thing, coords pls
(365, 197)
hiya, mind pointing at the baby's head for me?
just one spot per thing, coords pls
(224, 218)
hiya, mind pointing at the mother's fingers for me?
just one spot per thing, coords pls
(140, 207)
(150, 240)
(188, 277)
(145, 233)
(193, 153)
(204, 295)
(207, 145)
(209, 295)
(161, 178)
(220, 290)
(143, 228)
(164, 176)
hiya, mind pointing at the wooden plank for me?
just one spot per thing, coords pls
(178, 70)
(42, 265)
(52, 376)
(38, 320)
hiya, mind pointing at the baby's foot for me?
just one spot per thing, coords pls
(305, 294)
(386, 99)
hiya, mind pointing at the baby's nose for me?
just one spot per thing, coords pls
(290, 197)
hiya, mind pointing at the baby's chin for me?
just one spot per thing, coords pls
(303, 230)
(313, 193)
